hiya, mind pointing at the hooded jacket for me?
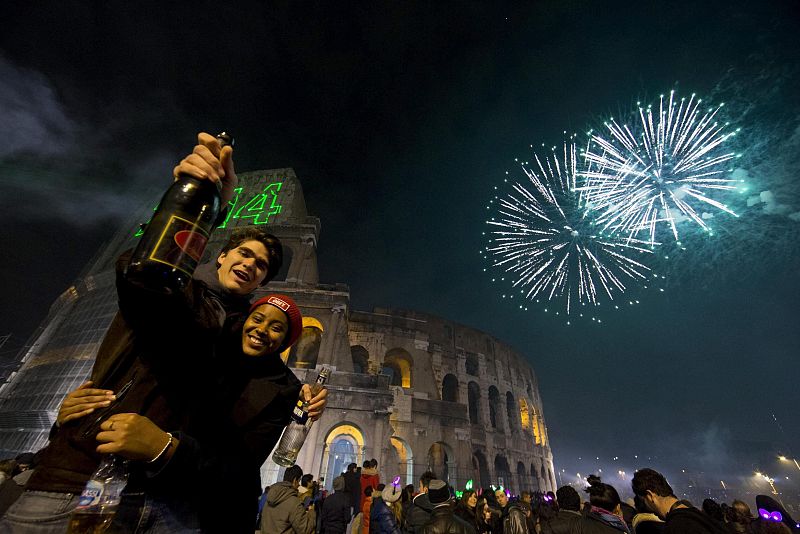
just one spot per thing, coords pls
(444, 521)
(283, 512)
(691, 521)
(418, 513)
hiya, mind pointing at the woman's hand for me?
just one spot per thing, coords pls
(316, 403)
(132, 436)
(83, 401)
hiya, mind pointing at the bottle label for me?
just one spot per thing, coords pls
(180, 245)
(91, 494)
(299, 414)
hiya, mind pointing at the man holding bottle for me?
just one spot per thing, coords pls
(157, 370)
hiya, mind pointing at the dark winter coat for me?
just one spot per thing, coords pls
(514, 520)
(336, 513)
(352, 485)
(563, 523)
(418, 513)
(381, 519)
(284, 513)
(444, 521)
(691, 521)
(599, 521)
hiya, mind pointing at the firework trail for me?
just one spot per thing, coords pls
(545, 237)
(664, 168)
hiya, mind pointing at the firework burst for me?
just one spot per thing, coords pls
(667, 167)
(545, 238)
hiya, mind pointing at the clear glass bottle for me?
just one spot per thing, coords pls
(296, 431)
(100, 498)
(176, 237)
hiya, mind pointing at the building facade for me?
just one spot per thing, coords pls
(411, 390)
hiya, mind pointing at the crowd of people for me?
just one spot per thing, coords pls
(361, 504)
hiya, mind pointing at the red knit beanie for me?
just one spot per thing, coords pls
(292, 311)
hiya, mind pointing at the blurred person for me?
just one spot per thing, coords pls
(383, 518)
(568, 517)
(738, 517)
(645, 521)
(335, 512)
(405, 503)
(512, 516)
(605, 513)
(284, 511)
(443, 519)
(352, 485)
(679, 516)
(771, 510)
(765, 526)
(366, 510)
(421, 508)
(712, 508)
(488, 518)
(467, 507)
(369, 477)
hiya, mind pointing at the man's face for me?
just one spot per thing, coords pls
(264, 331)
(242, 269)
(649, 501)
(502, 500)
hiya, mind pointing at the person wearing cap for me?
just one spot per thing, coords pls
(443, 519)
(336, 509)
(383, 519)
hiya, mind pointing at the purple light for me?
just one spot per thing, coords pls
(763, 513)
(776, 516)
(396, 481)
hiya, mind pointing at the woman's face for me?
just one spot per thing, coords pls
(264, 331)
(472, 500)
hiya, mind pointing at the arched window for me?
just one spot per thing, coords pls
(521, 477)
(474, 399)
(502, 472)
(480, 470)
(441, 461)
(405, 460)
(450, 388)
(305, 352)
(494, 402)
(535, 485)
(343, 445)
(400, 362)
(524, 416)
(511, 412)
(472, 364)
(360, 359)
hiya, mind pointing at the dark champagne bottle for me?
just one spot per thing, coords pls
(175, 238)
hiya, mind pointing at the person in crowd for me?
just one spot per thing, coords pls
(645, 521)
(383, 519)
(738, 517)
(421, 508)
(680, 516)
(568, 516)
(513, 518)
(366, 509)
(488, 518)
(467, 507)
(336, 509)
(7, 469)
(284, 511)
(766, 505)
(352, 485)
(442, 519)
(306, 489)
(712, 508)
(405, 503)
(369, 477)
(765, 526)
(605, 514)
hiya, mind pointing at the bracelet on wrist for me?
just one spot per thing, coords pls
(160, 454)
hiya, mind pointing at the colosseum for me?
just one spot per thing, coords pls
(411, 390)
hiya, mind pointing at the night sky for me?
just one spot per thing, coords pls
(399, 118)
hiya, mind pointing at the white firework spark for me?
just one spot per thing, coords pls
(544, 236)
(663, 169)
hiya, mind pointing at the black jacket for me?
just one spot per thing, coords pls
(352, 485)
(336, 512)
(563, 523)
(418, 513)
(514, 520)
(598, 521)
(443, 520)
(691, 521)
(381, 519)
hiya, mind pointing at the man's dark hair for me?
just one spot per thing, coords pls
(373, 463)
(568, 498)
(293, 473)
(713, 509)
(425, 479)
(602, 495)
(270, 242)
(306, 480)
(351, 467)
(649, 479)
(381, 487)
(367, 464)
(368, 491)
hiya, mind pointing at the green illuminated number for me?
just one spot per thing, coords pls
(261, 206)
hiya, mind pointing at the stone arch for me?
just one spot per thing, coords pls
(360, 357)
(474, 402)
(522, 478)
(397, 363)
(344, 444)
(535, 484)
(450, 388)
(405, 459)
(502, 472)
(538, 434)
(481, 469)
(524, 416)
(511, 412)
(305, 352)
(494, 405)
(441, 460)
